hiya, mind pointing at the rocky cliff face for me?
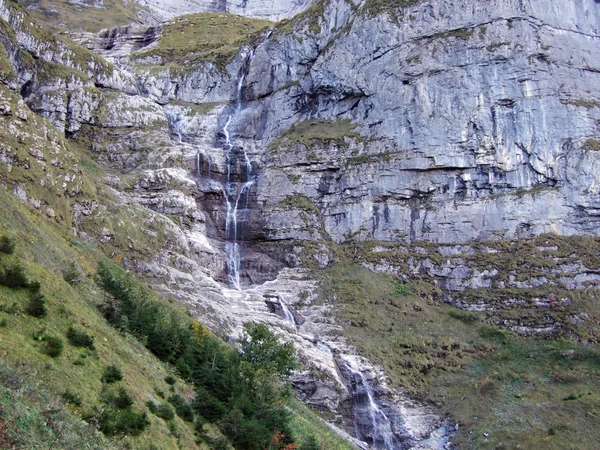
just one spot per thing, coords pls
(408, 131)
(265, 9)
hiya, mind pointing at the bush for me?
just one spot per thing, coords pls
(7, 245)
(123, 421)
(37, 305)
(14, 277)
(183, 409)
(464, 316)
(71, 274)
(122, 400)
(112, 374)
(400, 289)
(79, 338)
(310, 444)
(163, 411)
(52, 346)
(3, 323)
(170, 380)
(72, 398)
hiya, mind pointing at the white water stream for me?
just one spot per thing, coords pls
(371, 424)
(236, 193)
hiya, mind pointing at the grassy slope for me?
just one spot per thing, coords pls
(65, 16)
(45, 250)
(203, 37)
(522, 392)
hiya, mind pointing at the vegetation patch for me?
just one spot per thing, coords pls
(581, 103)
(592, 144)
(318, 132)
(375, 7)
(74, 16)
(299, 202)
(209, 37)
(79, 338)
(309, 19)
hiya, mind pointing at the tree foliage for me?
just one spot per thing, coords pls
(242, 392)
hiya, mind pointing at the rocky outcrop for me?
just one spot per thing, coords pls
(432, 164)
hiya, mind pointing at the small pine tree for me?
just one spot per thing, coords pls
(72, 398)
(79, 338)
(122, 400)
(14, 277)
(52, 346)
(37, 305)
(112, 374)
(7, 245)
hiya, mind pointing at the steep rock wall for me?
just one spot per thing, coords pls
(473, 121)
(265, 9)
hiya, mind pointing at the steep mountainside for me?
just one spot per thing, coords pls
(414, 181)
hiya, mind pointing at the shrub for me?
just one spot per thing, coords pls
(152, 407)
(170, 380)
(122, 400)
(3, 323)
(37, 305)
(14, 277)
(165, 412)
(71, 274)
(52, 346)
(400, 289)
(7, 245)
(173, 429)
(464, 316)
(112, 374)
(72, 398)
(122, 421)
(310, 444)
(183, 409)
(79, 338)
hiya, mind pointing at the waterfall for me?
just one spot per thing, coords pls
(370, 422)
(287, 313)
(236, 192)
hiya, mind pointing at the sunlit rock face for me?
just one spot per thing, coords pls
(265, 9)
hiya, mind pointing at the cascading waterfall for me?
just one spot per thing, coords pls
(236, 193)
(370, 422)
(287, 313)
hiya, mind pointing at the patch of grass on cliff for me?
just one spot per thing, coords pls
(40, 159)
(318, 132)
(499, 387)
(592, 144)
(80, 57)
(374, 7)
(309, 19)
(212, 37)
(300, 202)
(69, 17)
